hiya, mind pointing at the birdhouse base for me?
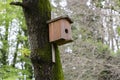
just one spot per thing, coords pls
(62, 41)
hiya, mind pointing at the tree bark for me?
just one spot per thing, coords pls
(37, 13)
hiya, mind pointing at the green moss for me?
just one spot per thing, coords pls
(44, 6)
(57, 67)
(45, 53)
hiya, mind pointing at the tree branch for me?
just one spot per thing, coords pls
(17, 4)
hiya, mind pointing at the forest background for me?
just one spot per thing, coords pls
(94, 54)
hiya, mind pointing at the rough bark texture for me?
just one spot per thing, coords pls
(37, 13)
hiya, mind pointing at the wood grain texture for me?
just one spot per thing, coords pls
(60, 31)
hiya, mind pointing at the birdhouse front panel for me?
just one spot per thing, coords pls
(65, 30)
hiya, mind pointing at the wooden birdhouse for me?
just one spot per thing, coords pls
(60, 30)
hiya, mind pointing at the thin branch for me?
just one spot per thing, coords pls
(17, 4)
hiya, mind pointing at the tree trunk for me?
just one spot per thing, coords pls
(37, 13)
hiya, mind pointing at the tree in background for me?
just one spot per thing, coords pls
(13, 39)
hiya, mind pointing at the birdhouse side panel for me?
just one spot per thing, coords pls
(54, 31)
(50, 32)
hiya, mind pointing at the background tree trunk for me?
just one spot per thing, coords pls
(37, 13)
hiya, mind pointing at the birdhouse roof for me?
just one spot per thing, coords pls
(61, 17)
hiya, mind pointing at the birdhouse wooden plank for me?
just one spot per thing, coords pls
(60, 30)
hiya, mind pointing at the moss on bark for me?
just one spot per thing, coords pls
(37, 13)
(44, 6)
(57, 67)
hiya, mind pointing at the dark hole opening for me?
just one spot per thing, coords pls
(66, 30)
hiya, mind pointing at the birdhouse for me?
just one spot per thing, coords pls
(60, 30)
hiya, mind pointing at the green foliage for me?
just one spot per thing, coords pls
(11, 73)
(117, 2)
(25, 53)
(117, 53)
(8, 72)
(102, 48)
(8, 47)
(105, 75)
(99, 5)
(118, 30)
(75, 32)
(21, 38)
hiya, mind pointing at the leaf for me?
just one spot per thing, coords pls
(118, 30)
(25, 52)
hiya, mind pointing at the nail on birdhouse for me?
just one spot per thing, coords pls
(60, 30)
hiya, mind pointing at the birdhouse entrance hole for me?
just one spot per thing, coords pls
(66, 31)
